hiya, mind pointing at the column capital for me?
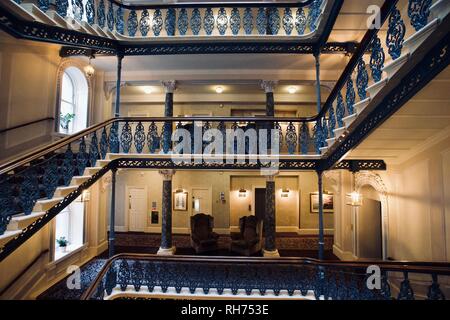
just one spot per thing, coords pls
(268, 85)
(167, 174)
(169, 85)
(270, 174)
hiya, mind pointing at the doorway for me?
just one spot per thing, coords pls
(201, 201)
(137, 209)
(369, 226)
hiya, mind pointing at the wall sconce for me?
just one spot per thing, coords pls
(242, 193)
(89, 69)
(285, 193)
(179, 190)
(354, 198)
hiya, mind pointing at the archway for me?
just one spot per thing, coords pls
(372, 187)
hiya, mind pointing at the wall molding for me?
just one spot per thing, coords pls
(425, 145)
(343, 255)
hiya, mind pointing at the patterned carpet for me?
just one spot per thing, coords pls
(60, 291)
(284, 241)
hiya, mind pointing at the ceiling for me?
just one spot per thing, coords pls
(425, 118)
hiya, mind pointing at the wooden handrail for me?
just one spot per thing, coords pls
(438, 268)
(25, 124)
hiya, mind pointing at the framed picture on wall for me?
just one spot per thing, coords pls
(328, 202)
(179, 201)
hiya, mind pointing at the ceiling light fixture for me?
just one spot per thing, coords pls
(219, 90)
(89, 69)
(148, 90)
(292, 90)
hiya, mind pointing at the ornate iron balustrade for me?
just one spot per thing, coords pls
(299, 19)
(146, 275)
(366, 67)
(36, 175)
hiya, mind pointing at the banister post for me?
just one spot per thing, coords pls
(320, 196)
(118, 84)
(169, 87)
(166, 247)
(318, 89)
(112, 218)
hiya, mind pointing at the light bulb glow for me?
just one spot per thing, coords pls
(89, 70)
(147, 90)
(292, 90)
(219, 90)
(355, 199)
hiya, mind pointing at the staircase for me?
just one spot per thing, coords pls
(379, 65)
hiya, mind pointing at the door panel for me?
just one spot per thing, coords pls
(369, 233)
(202, 202)
(137, 206)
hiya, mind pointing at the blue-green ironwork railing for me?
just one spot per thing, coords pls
(257, 276)
(38, 177)
(366, 65)
(182, 20)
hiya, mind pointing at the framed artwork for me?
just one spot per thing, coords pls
(328, 202)
(179, 201)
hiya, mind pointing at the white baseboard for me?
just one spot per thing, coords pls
(156, 229)
(119, 228)
(225, 231)
(343, 255)
(181, 230)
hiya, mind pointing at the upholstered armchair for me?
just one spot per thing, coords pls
(250, 236)
(203, 239)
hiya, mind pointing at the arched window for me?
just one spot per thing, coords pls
(73, 110)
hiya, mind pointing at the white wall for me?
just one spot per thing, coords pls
(416, 209)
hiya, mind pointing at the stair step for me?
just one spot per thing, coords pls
(22, 221)
(64, 191)
(92, 170)
(348, 120)
(331, 141)
(99, 30)
(361, 105)
(18, 10)
(412, 43)
(339, 132)
(58, 19)
(392, 67)
(102, 163)
(77, 180)
(44, 205)
(440, 9)
(376, 87)
(40, 15)
(8, 235)
(75, 25)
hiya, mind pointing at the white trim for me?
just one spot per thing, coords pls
(375, 181)
(311, 232)
(225, 231)
(153, 229)
(425, 145)
(343, 255)
(180, 230)
(118, 228)
(127, 205)
(292, 229)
